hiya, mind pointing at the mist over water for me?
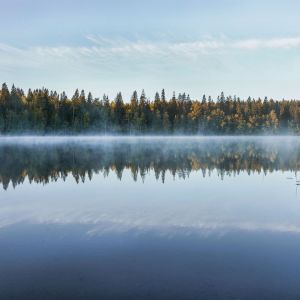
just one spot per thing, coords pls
(149, 217)
(108, 138)
(46, 159)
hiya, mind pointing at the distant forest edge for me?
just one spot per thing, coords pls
(44, 111)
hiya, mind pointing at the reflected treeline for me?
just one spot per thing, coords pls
(43, 163)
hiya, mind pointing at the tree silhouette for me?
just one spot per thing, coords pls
(45, 111)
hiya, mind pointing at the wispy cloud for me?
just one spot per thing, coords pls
(279, 43)
(100, 49)
(193, 47)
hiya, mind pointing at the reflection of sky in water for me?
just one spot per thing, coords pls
(204, 205)
(214, 237)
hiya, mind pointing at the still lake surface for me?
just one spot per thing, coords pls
(149, 218)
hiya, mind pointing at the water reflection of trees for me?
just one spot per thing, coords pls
(42, 164)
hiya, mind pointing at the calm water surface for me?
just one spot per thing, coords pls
(149, 218)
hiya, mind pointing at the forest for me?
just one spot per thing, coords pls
(43, 111)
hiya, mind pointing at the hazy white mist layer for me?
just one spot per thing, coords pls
(48, 139)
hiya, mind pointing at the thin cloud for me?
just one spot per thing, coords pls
(101, 49)
(109, 53)
(279, 43)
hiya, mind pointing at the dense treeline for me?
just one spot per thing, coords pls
(44, 163)
(46, 111)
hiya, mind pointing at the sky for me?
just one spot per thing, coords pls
(244, 48)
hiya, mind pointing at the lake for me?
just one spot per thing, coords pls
(149, 218)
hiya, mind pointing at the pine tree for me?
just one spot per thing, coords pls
(163, 95)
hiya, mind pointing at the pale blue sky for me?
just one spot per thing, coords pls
(239, 47)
